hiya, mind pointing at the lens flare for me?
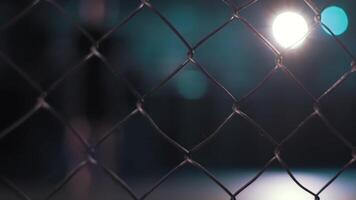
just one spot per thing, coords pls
(290, 29)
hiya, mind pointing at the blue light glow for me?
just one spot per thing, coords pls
(191, 84)
(335, 19)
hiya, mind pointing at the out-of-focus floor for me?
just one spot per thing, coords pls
(272, 185)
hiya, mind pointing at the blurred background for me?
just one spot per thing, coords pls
(45, 44)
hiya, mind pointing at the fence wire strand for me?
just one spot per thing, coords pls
(94, 51)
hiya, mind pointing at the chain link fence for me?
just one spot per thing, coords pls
(191, 49)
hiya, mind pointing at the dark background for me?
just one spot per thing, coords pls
(189, 108)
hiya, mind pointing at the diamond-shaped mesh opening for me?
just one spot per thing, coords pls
(42, 161)
(275, 102)
(244, 147)
(305, 150)
(145, 58)
(113, 90)
(44, 45)
(193, 98)
(318, 74)
(143, 154)
(242, 154)
(234, 60)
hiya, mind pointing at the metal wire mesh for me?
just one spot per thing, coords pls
(94, 51)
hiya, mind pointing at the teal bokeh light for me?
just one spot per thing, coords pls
(335, 18)
(191, 84)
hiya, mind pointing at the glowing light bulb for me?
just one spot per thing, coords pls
(289, 29)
